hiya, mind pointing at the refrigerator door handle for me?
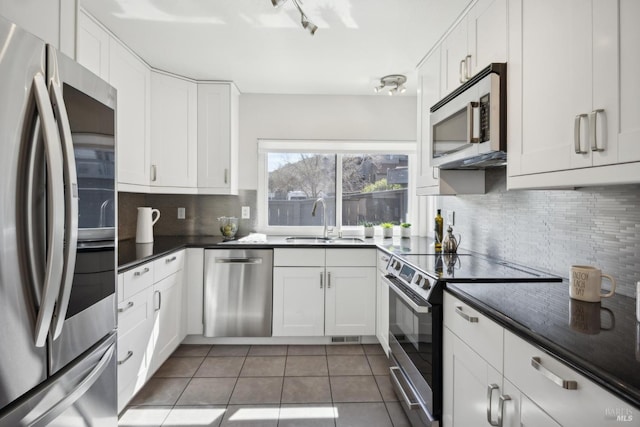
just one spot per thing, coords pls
(71, 208)
(77, 392)
(55, 211)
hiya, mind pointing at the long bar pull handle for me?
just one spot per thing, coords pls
(159, 294)
(71, 398)
(576, 133)
(226, 176)
(465, 316)
(503, 398)
(169, 260)
(565, 384)
(394, 372)
(55, 211)
(490, 389)
(140, 273)
(328, 280)
(467, 67)
(239, 260)
(154, 173)
(321, 280)
(473, 134)
(461, 71)
(127, 357)
(125, 308)
(71, 204)
(593, 116)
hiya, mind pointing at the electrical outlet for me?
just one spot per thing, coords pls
(451, 216)
(246, 212)
(181, 213)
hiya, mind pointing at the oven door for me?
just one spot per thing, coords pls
(415, 350)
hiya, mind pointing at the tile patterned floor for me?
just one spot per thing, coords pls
(269, 386)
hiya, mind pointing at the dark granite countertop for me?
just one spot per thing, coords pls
(599, 340)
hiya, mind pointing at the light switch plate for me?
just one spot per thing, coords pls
(246, 212)
(181, 213)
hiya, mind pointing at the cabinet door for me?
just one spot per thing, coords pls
(487, 25)
(382, 303)
(218, 138)
(520, 411)
(131, 77)
(92, 46)
(471, 377)
(173, 132)
(543, 103)
(167, 319)
(298, 301)
(454, 51)
(429, 81)
(350, 301)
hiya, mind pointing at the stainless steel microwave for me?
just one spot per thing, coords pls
(468, 127)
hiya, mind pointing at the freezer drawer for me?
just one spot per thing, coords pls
(238, 293)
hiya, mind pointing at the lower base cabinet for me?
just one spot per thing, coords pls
(167, 319)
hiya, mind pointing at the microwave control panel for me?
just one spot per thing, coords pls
(485, 114)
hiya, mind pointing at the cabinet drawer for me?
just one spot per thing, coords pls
(351, 257)
(383, 260)
(298, 257)
(135, 311)
(137, 279)
(480, 333)
(167, 265)
(586, 405)
(132, 363)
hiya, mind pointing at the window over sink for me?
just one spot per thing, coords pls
(359, 182)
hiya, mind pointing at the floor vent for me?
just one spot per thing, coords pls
(345, 339)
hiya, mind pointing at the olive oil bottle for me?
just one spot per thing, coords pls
(438, 231)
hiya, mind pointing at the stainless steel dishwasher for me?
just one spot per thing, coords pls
(238, 289)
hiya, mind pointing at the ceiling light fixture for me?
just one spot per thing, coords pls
(304, 20)
(394, 81)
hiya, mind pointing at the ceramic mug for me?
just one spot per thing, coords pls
(585, 317)
(585, 283)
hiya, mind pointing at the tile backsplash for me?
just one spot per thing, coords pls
(553, 229)
(201, 217)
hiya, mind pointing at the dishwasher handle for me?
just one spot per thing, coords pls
(238, 260)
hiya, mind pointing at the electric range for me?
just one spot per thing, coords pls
(415, 285)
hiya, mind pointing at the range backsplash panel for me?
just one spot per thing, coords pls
(553, 229)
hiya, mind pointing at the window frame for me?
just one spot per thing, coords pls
(339, 148)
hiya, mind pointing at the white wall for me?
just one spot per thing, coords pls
(319, 117)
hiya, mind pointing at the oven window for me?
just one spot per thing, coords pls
(450, 134)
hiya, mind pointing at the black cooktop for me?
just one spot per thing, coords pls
(472, 268)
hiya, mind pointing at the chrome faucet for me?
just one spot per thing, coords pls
(324, 214)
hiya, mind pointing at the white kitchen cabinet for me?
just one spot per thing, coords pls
(167, 319)
(582, 126)
(520, 411)
(40, 18)
(382, 302)
(479, 39)
(131, 77)
(298, 301)
(315, 293)
(92, 46)
(174, 154)
(218, 113)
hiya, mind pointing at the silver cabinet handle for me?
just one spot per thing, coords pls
(140, 273)
(226, 176)
(565, 384)
(465, 316)
(490, 389)
(125, 308)
(168, 260)
(154, 173)
(576, 133)
(592, 130)
(329, 280)
(461, 71)
(467, 63)
(394, 371)
(503, 398)
(159, 300)
(127, 357)
(321, 280)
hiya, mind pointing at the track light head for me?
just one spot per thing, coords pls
(394, 81)
(306, 24)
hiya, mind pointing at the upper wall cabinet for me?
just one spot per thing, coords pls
(479, 39)
(218, 138)
(173, 133)
(92, 47)
(131, 77)
(578, 122)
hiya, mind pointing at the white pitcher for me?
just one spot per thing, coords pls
(144, 232)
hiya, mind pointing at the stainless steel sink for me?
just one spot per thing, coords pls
(347, 240)
(323, 240)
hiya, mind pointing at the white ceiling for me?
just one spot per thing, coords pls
(265, 50)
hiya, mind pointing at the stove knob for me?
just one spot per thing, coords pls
(427, 284)
(419, 279)
(397, 265)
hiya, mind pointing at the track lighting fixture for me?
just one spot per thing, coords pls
(394, 81)
(304, 20)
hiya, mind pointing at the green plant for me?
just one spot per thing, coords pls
(386, 225)
(405, 225)
(366, 224)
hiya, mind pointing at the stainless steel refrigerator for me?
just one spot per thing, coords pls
(57, 238)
